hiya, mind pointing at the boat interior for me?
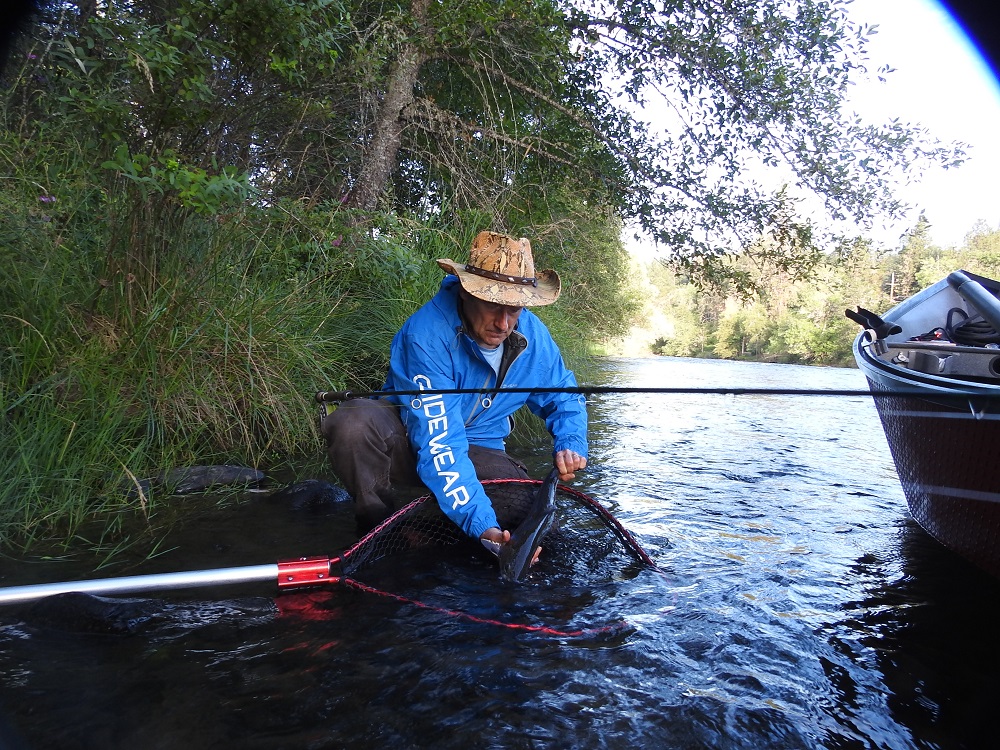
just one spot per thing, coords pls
(950, 329)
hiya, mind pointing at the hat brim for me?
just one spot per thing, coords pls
(498, 292)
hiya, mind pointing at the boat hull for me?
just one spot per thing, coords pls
(944, 435)
(950, 493)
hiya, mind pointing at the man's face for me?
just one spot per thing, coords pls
(489, 323)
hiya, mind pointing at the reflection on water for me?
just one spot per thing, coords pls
(798, 607)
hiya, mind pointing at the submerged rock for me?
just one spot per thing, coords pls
(86, 613)
(310, 494)
(197, 478)
(188, 479)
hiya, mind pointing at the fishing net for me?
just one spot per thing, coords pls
(586, 549)
(585, 533)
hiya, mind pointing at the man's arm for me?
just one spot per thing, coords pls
(436, 429)
(565, 414)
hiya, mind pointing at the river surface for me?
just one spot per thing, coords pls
(795, 605)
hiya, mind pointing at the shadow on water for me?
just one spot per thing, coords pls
(931, 635)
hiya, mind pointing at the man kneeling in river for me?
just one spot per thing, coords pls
(475, 333)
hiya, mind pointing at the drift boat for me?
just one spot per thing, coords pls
(934, 361)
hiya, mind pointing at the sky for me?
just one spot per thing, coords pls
(942, 82)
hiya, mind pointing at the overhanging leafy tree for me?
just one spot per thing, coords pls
(438, 105)
(173, 110)
(481, 100)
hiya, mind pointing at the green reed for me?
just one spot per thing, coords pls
(103, 383)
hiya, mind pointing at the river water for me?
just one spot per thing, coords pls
(796, 605)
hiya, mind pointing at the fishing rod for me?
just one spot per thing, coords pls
(590, 390)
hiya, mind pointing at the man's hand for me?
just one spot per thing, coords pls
(568, 463)
(495, 535)
(493, 539)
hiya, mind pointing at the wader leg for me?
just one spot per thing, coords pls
(369, 450)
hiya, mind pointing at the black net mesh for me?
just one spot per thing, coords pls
(586, 537)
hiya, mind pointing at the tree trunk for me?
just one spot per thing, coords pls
(380, 157)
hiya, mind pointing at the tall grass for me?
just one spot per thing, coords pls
(217, 363)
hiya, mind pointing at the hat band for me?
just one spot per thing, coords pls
(524, 280)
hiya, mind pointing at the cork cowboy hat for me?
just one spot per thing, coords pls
(501, 270)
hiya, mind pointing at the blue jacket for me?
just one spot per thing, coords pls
(432, 352)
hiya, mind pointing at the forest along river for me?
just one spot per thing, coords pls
(798, 606)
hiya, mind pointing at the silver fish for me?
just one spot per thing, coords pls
(517, 554)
